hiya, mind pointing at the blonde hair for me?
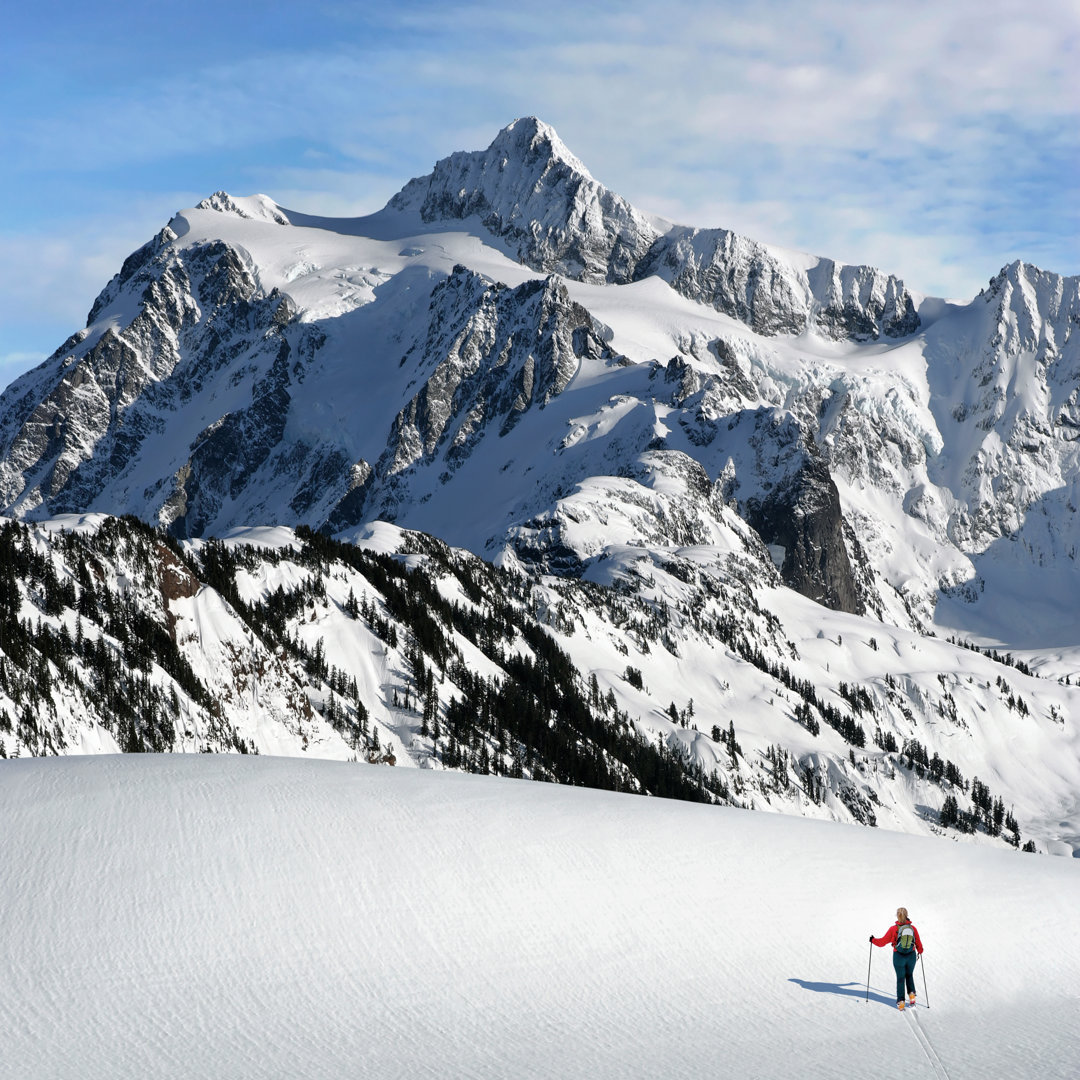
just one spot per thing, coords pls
(902, 915)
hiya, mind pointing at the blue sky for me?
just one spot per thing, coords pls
(936, 141)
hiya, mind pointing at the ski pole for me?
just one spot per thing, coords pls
(868, 963)
(925, 994)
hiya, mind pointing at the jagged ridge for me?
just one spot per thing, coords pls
(532, 193)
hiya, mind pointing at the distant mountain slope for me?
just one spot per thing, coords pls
(251, 364)
(664, 424)
(687, 676)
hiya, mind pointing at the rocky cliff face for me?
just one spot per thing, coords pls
(107, 399)
(109, 389)
(490, 354)
(532, 194)
(798, 515)
(196, 395)
(749, 282)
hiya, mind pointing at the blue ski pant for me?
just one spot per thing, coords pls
(904, 964)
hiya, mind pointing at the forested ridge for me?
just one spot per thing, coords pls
(96, 655)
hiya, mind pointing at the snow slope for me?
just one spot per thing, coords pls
(249, 917)
(252, 365)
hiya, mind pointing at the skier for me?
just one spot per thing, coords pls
(907, 948)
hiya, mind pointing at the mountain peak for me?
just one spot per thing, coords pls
(530, 192)
(1034, 309)
(526, 173)
(530, 138)
(253, 207)
(1018, 273)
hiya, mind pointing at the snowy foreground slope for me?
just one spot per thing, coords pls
(183, 916)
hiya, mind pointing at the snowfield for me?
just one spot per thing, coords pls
(237, 917)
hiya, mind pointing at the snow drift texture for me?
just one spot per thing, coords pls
(249, 918)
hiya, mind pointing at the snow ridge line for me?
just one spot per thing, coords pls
(928, 1050)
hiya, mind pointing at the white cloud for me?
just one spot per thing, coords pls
(944, 137)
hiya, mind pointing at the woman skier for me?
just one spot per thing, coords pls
(907, 948)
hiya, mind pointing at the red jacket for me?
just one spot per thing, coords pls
(890, 938)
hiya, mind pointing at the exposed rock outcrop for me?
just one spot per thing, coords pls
(802, 517)
(530, 192)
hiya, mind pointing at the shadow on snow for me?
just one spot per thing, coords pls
(853, 990)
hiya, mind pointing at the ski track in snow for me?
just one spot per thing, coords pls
(927, 1049)
(251, 918)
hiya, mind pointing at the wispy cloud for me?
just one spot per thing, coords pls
(936, 141)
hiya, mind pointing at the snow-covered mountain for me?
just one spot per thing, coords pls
(733, 475)
(533, 195)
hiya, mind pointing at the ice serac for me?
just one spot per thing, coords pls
(528, 190)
